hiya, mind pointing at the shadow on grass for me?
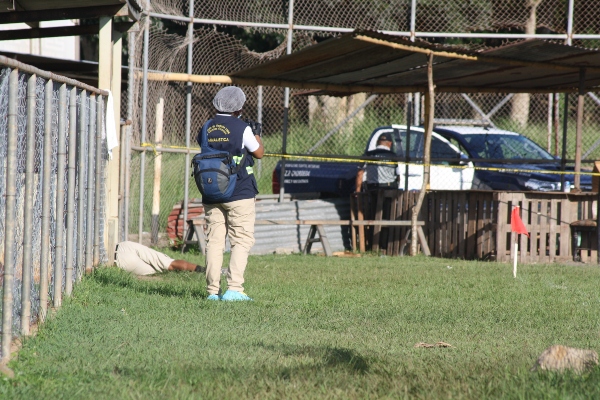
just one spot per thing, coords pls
(161, 284)
(330, 358)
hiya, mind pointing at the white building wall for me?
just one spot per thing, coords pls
(66, 48)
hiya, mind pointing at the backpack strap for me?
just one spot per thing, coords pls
(204, 134)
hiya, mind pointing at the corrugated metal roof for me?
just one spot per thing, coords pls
(379, 63)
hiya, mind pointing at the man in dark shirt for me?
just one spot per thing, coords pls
(379, 176)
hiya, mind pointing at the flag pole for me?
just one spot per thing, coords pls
(516, 247)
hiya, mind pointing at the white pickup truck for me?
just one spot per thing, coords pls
(450, 168)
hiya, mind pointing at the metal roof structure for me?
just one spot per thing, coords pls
(34, 11)
(379, 63)
(12, 11)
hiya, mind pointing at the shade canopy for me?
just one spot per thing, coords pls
(373, 62)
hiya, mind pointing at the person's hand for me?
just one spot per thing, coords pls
(255, 126)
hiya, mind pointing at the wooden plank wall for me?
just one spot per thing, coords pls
(476, 224)
(547, 217)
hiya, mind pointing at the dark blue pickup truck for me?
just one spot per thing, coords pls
(462, 158)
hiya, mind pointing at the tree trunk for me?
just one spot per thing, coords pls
(521, 101)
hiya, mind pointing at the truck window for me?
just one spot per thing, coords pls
(442, 150)
(416, 144)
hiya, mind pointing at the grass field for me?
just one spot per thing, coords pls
(318, 328)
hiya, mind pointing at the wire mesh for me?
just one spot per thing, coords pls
(38, 187)
(339, 126)
(394, 15)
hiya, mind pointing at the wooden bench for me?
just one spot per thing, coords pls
(195, 233)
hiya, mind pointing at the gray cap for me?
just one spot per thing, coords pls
(229, 99)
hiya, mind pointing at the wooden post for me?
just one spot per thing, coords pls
(353, 231)
(429, 107)
(361, 229)
(158, 135)
(577, 178)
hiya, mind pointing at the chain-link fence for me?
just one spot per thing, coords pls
(328, 125)
(52, 196)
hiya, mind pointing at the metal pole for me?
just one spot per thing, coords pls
(563, 160)
(60, 195)
(143, 133)
(127, 149)
(286, 103)
(127, 182)
(579, 127)
(9, 217)
(188, 118)
(478, 35)
(28, 208)
(570, 22)
(549, 136)
(122, 157)
(98, 182)
(81, 175)
(72, 156)
(413, 19)
(89, 224)
(407, 144)
(259, 119)
(46, 192)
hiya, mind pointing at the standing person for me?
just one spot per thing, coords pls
(379, 176)
(235, 216)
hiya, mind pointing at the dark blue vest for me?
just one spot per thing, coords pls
(227, 133)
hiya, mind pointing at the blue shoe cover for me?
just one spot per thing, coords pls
(232, 295)
(213, 297)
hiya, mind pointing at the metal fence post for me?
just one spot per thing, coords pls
(89, 226)
(60, 195)
(286, 102)
(9, 217)
(97, 191)
(122, 155)
(126, 149)
(28, 207)
(188, 118)
(72, 160)
(81, 175)
(46, 193)
(143, 133)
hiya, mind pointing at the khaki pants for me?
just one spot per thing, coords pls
(140, 260)
(235, 219)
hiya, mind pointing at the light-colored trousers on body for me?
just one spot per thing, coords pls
(141, 260)
(235, 219)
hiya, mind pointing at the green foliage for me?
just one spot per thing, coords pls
(318, 328)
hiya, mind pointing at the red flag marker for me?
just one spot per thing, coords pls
(517, 226)
(516, 223)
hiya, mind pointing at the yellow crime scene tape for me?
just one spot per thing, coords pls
(383, 162)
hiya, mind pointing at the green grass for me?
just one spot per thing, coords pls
(318, 328)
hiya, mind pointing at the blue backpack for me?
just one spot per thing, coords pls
(215, 171)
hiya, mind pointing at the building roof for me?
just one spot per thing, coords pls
(49, 10)
(374, 62)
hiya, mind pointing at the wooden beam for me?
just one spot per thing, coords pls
(470, 57)
(60, 31)
(349, 89)
(59, 14)
(429, 113)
